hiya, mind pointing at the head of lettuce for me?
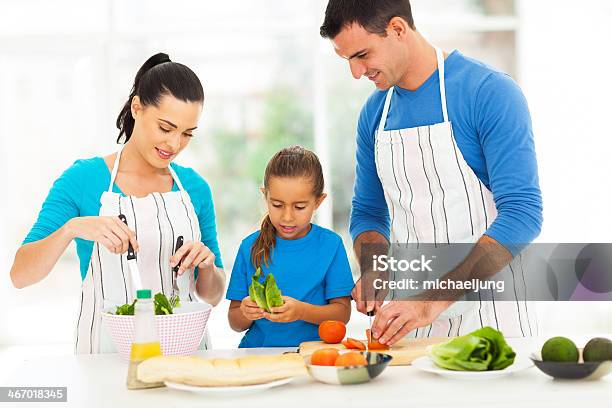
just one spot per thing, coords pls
(482, 350)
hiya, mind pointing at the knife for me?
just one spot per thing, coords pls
(136, 283)
(370, 314)
(175, 288)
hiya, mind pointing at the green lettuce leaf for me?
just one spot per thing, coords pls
(126, 310)
(273, 294)
(483, 349)
(162, 304)
(257, 291)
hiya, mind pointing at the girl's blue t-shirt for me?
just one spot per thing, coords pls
(77, 192)
(312, 269)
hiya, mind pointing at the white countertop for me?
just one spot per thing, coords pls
(99, 381)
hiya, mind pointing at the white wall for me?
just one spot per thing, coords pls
(564, 65)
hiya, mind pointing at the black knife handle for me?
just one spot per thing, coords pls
(130, 253)
(179, 244)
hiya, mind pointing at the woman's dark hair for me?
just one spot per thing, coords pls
(294, 161)
(157, 77)
(373, 15)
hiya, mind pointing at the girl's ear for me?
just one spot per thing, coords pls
(136, 106)
(263, 191)
(320, 200)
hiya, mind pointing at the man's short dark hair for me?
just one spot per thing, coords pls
(373, 15)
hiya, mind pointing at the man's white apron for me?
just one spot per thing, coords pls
(434, 197)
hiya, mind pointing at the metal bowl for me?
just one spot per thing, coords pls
(575, 371)
(377, 362)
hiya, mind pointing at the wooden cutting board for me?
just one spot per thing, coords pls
(403, 352)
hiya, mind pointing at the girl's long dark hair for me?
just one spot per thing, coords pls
(294, 161)
(159, 76)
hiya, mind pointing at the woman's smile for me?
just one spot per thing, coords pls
(163, 154)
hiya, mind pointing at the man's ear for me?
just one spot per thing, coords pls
(398, 27)
(320, 200)
(136, 106)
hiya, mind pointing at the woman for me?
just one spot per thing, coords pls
(159, 200)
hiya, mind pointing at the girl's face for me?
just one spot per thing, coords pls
(162, 132)
(291, 204)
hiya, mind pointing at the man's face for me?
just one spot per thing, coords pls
(372, 55)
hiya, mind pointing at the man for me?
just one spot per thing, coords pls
(445, 154)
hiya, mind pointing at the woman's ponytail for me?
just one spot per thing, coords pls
(125, 120)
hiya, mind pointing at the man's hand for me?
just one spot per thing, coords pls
(398, 317)
(366, 297)
(290, 311)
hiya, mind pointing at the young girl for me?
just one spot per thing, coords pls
(308, 262)
(159, 199)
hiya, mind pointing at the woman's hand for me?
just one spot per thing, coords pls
(110, 232)
(193, 254)
(250, 310)
(290, 311)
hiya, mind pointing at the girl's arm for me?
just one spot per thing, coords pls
(292, 310)
(242, 313)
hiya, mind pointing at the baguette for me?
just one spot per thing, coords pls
(217, 372)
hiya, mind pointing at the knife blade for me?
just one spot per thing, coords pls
(369, 339)
(135, 281)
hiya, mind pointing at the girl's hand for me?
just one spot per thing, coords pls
(250, 310)
(193, 254)
(290, 311)
(110, 232)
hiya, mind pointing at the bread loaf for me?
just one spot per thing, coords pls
(203, 372)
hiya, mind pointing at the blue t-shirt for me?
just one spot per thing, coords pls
(492, 128)
(77, 192)
(312, 269)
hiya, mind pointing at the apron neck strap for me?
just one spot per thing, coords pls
(383, 117)
(440, 57)
(116, 169)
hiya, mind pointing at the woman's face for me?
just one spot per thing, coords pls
(162, 132)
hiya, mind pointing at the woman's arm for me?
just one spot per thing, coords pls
(34, 260)
(210, 286)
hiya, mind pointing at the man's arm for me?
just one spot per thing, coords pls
(504, 129)
(367, 245)
(369, 222)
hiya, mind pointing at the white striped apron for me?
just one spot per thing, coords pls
(157, 219)
(433, 196)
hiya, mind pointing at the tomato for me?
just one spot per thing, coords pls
(374, 344)
(325, 357)
(332, 331)
(353, 344)
(351, 359)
